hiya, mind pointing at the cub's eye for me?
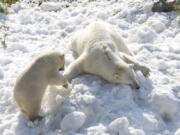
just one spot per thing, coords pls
(116, 77)
(61, 57)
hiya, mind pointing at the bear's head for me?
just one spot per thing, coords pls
(121, 73)
(114, 69)
(125, 74)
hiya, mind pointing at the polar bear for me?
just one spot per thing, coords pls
(32, 83)
(101, 51)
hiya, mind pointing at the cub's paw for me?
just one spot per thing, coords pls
(145, 70)
(68, 88)
(34, 118)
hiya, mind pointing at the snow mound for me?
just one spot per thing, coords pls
(18, 47)
(177, 132)
(166, 103)
(5, 61)
(142, 35)
(97, 130)
(119, 125)
(51, 6)
(157, 25)
(73, 121)
(134, 131)
(150, 122)
(1, 74)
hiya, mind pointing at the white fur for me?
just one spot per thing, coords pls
(32, 83)
(102, 52)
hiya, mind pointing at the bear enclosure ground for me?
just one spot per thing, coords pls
(94, 106)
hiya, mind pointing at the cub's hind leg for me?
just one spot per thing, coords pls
(33, 112)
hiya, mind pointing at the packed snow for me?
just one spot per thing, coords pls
(94, 106)
(73, 121)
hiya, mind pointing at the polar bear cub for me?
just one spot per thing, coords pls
(32, 83)
(101, 51)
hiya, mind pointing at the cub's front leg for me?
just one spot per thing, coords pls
(57, 79)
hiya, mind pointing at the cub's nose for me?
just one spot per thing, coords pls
(62, 68)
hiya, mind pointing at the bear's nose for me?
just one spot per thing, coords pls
(135, 85)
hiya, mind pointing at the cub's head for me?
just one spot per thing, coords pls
(59, 60)
(54, 59)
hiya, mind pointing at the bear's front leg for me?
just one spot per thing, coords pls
(145, 70)
(137, 66)
(75, 68)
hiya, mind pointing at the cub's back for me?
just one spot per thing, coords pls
(30, 76)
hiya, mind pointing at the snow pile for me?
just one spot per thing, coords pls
(73, 121)
(167, 104)
(52, 6)
(177, 132)
(1, 74)
(150, 122)
(119, 126)
(94, 106)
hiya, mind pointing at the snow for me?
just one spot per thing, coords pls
(177, 132)
(162, 101)
(104, 107)
(157, 26)
(133, 131)
(73, 121)
(1, 74)
(150, 122)
(119, 125)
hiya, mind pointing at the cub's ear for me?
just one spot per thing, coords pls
(131, 65)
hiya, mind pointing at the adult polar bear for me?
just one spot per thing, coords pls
(102, 52)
